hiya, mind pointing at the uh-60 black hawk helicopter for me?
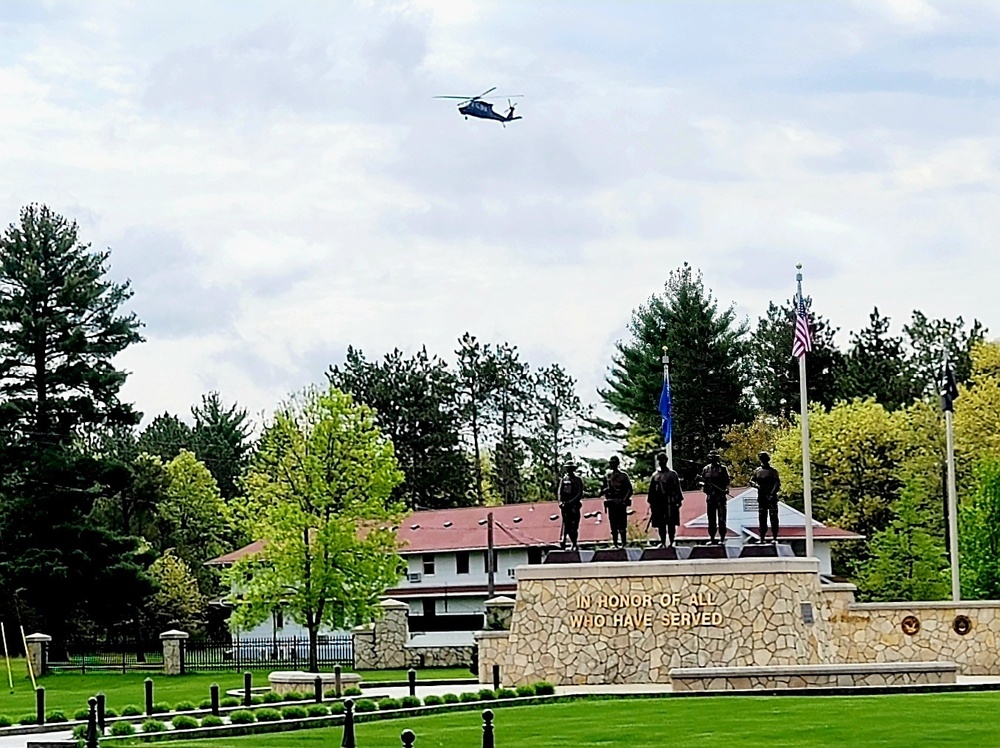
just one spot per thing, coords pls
(474, 106)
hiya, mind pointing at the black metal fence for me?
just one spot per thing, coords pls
(242, 654)
(123, 656)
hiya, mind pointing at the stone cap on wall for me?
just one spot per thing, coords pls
(843, 668)
(391, 604)
(930, 605)
(500, 634)
(175, 634)
(500, 602)
(701, 567)
(38, 638)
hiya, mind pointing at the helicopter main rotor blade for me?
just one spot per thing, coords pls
(463, 98)
(489, 91)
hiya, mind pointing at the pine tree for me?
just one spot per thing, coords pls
(775, 372)
(708, 372)
(61, 325)
(222, 441)
(877, 366)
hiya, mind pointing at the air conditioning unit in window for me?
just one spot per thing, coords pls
(416, 577)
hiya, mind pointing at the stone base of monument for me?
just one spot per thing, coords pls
(285, 681)
(767, 550)
(568, 557)
(670, 553)
(781, 677)
(699, 552)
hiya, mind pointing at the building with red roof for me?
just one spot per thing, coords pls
(447, 584)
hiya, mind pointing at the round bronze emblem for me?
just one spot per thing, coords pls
(910, 625)
(962, 625)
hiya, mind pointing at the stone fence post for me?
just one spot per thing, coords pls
(173, 651)
(499, 612)
(379, 645)
(37, 653)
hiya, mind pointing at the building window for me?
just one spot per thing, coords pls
(534, 555)
(462, 562)
(430, 610)
(428, 565)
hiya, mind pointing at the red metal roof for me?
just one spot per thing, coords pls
(540, 524)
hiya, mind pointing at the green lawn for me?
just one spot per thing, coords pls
(69, 691)
(897, 721)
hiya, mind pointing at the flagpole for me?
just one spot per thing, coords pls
(949, 425)
(806, 458)
(666, 380)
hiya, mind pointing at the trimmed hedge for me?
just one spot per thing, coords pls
(242, 717)
(408, 702)
(337, 707)
(56, 717)
(295, 696)
(268, 715)
(525, 690)
(210, 720)
(272, 697)
(130, 710)
(506, 693)
(468, 697)
(316, 710)
(352, 691)
(486, 694)
(27, 719)
(122, 729)
(161, 708)
(185, 706)
(229, 701)
(387, 703)
(433, 700)
(205, 704)
(5, 721)
(110, 713)
(365, 705)
(153, 725)
(184, 722)
(450, 698)
(257, 700)
(293, 712)
(544, 688)
(79, 714)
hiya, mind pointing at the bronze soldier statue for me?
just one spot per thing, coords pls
(767, 481)
(715, 484)
(617, 493)
(570, 502)
(665, 499)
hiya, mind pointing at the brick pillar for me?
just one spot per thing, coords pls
(499, 612)
(173, 656)
(37, 644)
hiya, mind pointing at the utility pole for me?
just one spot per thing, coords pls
(490, 571)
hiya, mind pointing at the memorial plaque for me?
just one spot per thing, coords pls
(749, 503)
(910, 625)
(807, 613)
(962, 625)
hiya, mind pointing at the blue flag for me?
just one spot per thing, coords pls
(668, 425)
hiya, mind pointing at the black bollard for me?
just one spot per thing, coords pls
(149, 697)
(407, 737)
(91, 741)
(40, 705)
(247, 686)
(337, 684)
(348, 741)
(318, 688)
(101, 716)
(213, 692)
(411, 677)
(487, 729)
(496, 677)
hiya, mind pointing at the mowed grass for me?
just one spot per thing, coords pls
(68, 691)
(896, 721)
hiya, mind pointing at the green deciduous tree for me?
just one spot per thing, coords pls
(745, 441)
(708, 376)
(320, 497)
(908, 560)
(417, 406)
(177, 602)
(774, 371)
(979, 534)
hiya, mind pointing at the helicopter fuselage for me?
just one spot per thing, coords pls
(484, 110)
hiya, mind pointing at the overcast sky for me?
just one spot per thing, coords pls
(278, 182)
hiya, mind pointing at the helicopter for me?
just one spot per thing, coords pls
(474, 106)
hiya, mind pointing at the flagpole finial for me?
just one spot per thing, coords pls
(798, 275)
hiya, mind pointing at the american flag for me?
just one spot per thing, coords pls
(802, 343)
